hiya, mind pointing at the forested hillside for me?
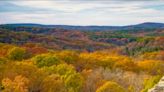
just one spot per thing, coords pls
(41, 59)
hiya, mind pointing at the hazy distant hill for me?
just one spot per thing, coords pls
(147, 25)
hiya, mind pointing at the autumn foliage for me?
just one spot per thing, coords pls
(51, 59)
(76, 71)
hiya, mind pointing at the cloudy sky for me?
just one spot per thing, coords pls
(81, 12)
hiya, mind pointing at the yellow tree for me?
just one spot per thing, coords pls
(70, 57)
(53, 83)
(74, 82)
(151, 66)
(110, 87)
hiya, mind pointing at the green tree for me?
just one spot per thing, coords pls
(46, 60)
(65, 69)
(17, 53)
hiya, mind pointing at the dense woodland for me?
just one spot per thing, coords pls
(37, 59)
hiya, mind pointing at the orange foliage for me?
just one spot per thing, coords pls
(35, 49)
(151, 66)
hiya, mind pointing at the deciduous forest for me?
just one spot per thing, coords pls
(46, 59)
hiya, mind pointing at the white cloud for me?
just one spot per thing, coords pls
(85, 12)
(57, 5)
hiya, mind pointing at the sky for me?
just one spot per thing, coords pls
(82, 12)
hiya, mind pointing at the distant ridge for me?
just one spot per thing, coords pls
(146, 25)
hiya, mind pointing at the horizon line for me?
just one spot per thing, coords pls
(78, 25)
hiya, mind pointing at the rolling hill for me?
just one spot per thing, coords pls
(146, 25)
